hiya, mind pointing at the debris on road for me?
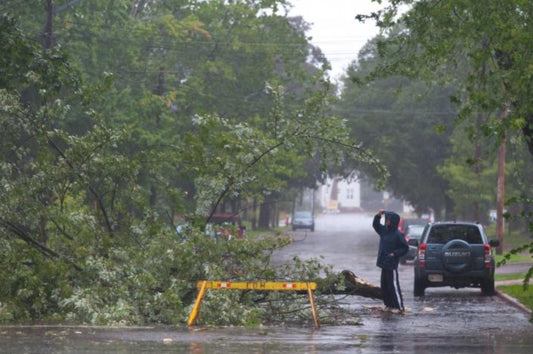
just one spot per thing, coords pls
(347, 283)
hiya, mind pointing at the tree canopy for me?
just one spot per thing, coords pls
(481, 49)
(478, 47)
(406, 123)
(131, 115)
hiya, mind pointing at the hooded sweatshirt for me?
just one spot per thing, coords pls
(391, 240)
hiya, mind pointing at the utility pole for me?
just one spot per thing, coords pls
(477, 167)
(48, 35)
(501, 186)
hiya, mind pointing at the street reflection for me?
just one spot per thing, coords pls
(385, 333)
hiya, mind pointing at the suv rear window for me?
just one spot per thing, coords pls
(445, 233)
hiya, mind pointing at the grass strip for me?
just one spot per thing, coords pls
(511, 276)
(517, 291)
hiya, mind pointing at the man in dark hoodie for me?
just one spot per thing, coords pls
(392, 246)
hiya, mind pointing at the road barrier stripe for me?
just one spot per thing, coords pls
(258, 285)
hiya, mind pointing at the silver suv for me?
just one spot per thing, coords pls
(455, 254)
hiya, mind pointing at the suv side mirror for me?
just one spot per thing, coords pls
(494, 243)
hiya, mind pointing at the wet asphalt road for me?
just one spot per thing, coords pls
(446, 320)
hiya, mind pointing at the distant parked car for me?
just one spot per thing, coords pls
(412, 237)
(303, 220)
(455, 254)
(225, 226)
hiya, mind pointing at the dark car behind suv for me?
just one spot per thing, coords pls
(412, 237)
(455, 254)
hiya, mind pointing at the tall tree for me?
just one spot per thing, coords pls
(404, 123)
(487, 42)
(440, 38)
(80, 239)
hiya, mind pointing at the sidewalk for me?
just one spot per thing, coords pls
(513, 268)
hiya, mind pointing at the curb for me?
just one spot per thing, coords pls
(514, 302)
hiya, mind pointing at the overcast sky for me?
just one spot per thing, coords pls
(335, 29)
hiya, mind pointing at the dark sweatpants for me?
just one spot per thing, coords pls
(390, 289)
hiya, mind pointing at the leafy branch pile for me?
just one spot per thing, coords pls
(130, 114)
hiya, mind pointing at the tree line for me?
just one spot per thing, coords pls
(438, 94)
(119, 117)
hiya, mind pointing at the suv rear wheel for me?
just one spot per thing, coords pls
(487, 286)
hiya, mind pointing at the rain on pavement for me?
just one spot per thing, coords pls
(446, 320)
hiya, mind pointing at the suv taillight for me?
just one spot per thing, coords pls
(422, 254)
(488, 255)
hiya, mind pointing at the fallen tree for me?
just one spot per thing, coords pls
(347, 283)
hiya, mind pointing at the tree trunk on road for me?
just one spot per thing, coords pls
(347, 283)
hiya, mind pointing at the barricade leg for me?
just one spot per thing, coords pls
(195, 310)
(313, 309)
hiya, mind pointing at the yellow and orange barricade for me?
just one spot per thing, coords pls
(259, 285)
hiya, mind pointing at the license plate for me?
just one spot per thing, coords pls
(435, 278)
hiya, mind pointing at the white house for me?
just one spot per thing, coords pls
(340, 195)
